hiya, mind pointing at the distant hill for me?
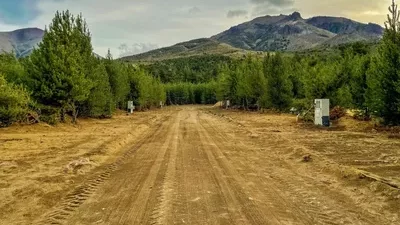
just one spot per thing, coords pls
(20, 41)
(196, 47)
(293, 33)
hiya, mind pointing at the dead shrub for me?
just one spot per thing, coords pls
(337, 112)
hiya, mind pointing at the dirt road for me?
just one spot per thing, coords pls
(194, 166)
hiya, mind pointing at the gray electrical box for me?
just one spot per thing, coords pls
(322, 117)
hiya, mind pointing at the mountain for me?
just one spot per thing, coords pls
(20, 41)
(267, 33)
(293, 33)
(23, 41)
(186, 49)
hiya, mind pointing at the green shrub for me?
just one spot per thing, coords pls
(50, 115)
(302, 104)
(14, 101)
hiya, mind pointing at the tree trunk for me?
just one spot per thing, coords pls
(74, 113)
(62, 116)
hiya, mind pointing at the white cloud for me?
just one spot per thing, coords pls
(137, 48)
(237, 13)
(134, 21)
(6, 27)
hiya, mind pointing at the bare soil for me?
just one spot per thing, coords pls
(197, 165)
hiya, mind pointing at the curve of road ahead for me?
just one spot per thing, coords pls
(195, 168)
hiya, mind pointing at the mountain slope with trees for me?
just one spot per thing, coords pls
(202, 46)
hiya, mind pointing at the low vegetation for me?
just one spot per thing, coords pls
(14, 102)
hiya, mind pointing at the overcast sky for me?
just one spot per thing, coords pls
(133, 26)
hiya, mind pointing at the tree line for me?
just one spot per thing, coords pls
(194, 69)
(64, 77)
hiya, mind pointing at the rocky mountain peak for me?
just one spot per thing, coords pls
(295, 16)
(293, 33)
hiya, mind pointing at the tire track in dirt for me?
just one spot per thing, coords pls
(234, 184)
(186, 170)
(156, 178)
(134, 189)
(200, 198)
(313, 204)
(165, 197)
(79, 195)
(276, 202)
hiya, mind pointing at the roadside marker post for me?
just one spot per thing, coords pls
(131, 107)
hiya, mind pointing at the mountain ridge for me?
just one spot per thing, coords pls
(185, 49)
(293, 33)
(267, 33)
(21, 41)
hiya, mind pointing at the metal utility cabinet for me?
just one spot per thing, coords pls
(322, 112)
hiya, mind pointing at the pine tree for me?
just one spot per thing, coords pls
(100, 102)
(119, 80)
(58, 69)
(383, 94)
(252, 83)
(109, 56)
(279, 87)
(358, 84)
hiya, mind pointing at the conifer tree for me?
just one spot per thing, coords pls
(58, 69)
(119, 80)
(279, 87)
(383, 93)
(100, 102)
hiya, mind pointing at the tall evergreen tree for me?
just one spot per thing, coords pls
(383, 94)
(358, 83)
(119, 81)
(279, 87)
(58, 69)
(100, 102)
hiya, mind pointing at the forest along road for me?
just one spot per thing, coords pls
(195, 168)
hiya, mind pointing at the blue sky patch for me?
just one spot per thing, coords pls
(18, 12)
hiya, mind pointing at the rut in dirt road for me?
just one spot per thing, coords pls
(188, 171)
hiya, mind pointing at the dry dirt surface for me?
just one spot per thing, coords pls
(197, 165)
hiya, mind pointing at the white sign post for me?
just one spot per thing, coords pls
(131, 107)
(228, 104)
